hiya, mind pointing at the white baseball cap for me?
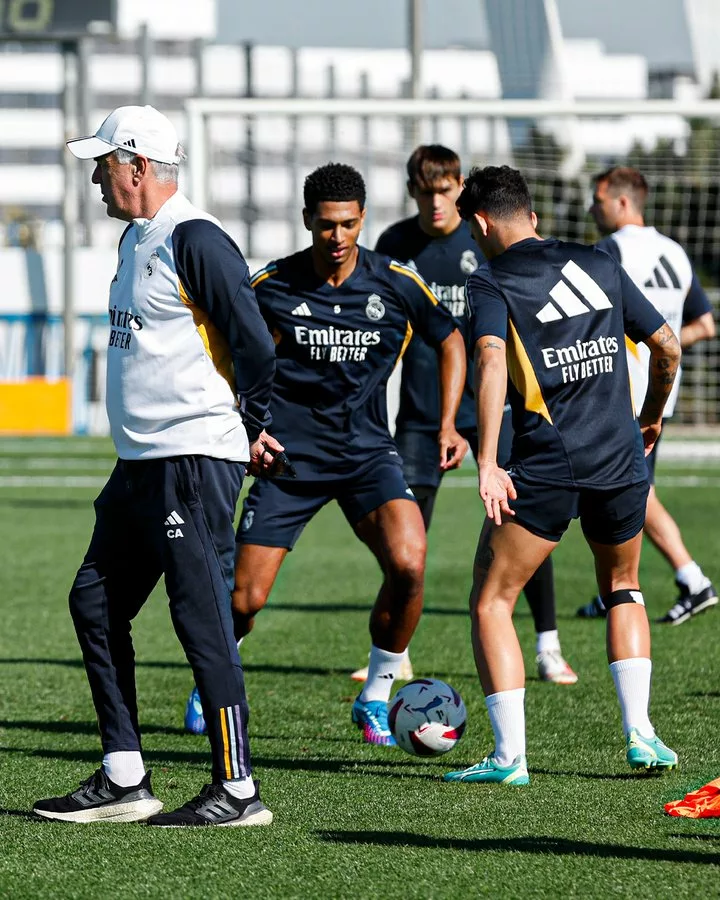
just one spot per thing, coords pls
(139, 129)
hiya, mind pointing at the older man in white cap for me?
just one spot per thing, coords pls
(190, 368)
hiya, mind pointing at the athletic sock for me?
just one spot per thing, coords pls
(540, 595)
(547, 640)
(124, 767)
(240, 788)
(382, 671)
(632, 683)
(507, 717)
(691, 575)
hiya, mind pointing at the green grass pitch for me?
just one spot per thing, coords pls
(351, 820)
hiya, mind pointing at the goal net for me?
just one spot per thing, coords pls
(248, 159)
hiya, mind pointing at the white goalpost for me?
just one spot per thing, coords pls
(248, 157)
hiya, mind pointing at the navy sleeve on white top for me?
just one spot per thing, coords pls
(215, 276)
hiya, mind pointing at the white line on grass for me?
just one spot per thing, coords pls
(57, 462)
(691, 481)
(94, 481)
(51, 481)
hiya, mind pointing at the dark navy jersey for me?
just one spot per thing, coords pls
(336, 347)
(564, 310)
(445, 264)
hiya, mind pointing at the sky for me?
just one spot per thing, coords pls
(653, 28)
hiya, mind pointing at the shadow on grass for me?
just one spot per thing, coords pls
(383, 767)
(78, 727)
(20, 814)
(541, 845)
(47, 502)
(357, 607)
(705, 694)
(262, 668)
(600, 776)
(697, 837)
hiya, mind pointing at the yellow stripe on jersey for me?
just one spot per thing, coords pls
(262, 275)
(406, 341)
(411, 273)
(216, 347)
(522, 375)
(632, 348)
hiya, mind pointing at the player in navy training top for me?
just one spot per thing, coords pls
(341, 316)
(439, 245)
(661, 269)
(552, 316)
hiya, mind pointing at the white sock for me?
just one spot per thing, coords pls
(632, 683)
(547, 640)
(382, 671)
(240, 788)
(691, 575)
(124, 767)
(507, 717)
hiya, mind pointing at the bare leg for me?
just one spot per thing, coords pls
(256, 568)
(506, 558)
(616, 568)
(664, 533)
(395, 534)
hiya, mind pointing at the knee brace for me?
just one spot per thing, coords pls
(617, 598)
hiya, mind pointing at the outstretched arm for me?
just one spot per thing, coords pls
(700, 329)
(665, 354)
(452, 364)
(490, 377)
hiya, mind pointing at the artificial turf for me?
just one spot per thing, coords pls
(351, 820)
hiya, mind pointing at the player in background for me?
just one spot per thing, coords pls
(341, 317)
(661, 269)
(438, 244)
(553, 316)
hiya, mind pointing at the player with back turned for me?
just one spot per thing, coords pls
(439, 245)
(661, 269)
(341, 317)
(552, 317)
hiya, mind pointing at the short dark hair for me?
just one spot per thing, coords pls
(430, 163)
(334, 182)
(498, 190)
(626, 180)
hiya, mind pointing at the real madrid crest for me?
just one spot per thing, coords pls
(247, 521)
(151, 264)
(468, 262)
(375, 308)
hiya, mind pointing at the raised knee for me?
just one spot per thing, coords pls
(248, 599)
(408, 564)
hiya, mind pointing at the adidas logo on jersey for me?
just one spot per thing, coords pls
(662, 274)
(302, 310)
(568, 301)
(171, 523)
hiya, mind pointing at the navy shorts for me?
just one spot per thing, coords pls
(606, 516)
(419, 451)
(651, 459)
(275, 512)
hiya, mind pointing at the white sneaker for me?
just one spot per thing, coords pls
(552, 667)
(405, 673)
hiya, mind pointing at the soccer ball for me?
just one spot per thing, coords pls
(427, 717)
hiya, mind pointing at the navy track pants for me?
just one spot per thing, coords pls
(174, 517)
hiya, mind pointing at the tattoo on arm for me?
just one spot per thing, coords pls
(664, 363)
(491, 345)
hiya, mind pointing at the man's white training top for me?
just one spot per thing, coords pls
(190, 361)
(661, 269)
